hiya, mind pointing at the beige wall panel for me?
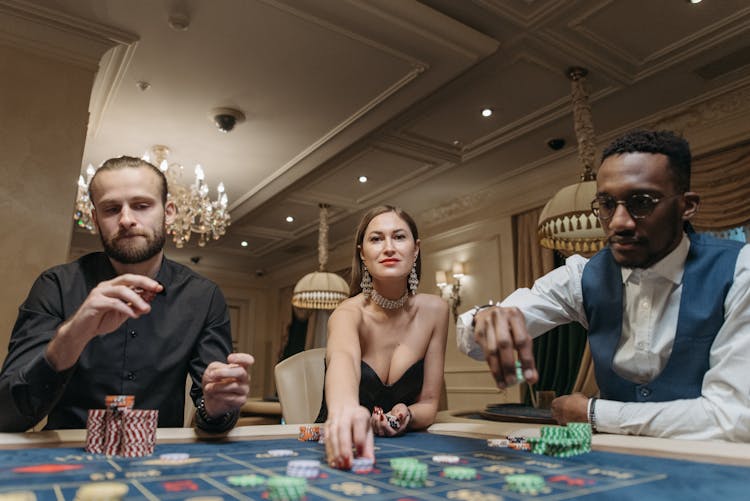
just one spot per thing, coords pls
(485, 249)
(43, 119)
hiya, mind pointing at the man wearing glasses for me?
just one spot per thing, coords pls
(667, 309)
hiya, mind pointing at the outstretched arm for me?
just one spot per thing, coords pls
(496, 333)
(348, 422)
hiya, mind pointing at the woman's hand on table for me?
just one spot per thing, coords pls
(347, 428)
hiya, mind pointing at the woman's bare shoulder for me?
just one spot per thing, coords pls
(431, 302)
(350, 306)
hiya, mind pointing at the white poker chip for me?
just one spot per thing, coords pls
(305, 468)
(446, 459)
(281, 452)
(498, 442)
(175, 456)
(362, 465)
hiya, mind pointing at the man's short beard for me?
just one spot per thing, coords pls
(126, 254)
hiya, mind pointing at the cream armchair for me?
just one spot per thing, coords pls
(299, 384)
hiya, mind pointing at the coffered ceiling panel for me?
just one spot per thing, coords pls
(391, 89)
(385, 170)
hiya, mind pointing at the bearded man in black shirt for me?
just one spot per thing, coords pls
(126, 321)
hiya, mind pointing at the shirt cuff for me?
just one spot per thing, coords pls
(465, 336)
(607, 412)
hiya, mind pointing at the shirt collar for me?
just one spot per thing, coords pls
(671, 266)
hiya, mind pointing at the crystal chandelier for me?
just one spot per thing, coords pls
(196, 212)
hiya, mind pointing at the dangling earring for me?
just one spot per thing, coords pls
(413, 279)
(366, 282)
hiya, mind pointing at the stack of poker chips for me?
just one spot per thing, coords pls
(120, 430)
(408, 472)
(562, 441)
(516, 443)
(304, 468)
(309, 433)
(362, 465)
(460, 472)
(286, 488)
(526, 484)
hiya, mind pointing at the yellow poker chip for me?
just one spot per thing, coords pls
(102, 491)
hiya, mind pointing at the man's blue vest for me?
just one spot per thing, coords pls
(708, 275)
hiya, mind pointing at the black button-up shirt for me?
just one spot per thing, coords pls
(149, 357)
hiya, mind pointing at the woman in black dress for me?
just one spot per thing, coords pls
(386, 343)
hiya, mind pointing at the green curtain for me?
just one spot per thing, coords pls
(558, 359)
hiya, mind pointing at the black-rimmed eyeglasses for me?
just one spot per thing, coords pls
(638, 205)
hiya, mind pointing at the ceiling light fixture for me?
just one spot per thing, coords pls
(289, 219)
(244, 243)
(196, 213)
(567, 223)
(362, 179)
(320, 290)
(487, 112)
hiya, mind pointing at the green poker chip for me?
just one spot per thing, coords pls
(408, 472)
(460, 472)
(525, 484)
(284, 488)
(246, 480)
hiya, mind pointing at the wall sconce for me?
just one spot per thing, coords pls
(451, 290)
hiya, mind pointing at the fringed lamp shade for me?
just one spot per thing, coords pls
(566, 223)
(320, 290)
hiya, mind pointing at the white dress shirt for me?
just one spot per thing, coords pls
(650, 310)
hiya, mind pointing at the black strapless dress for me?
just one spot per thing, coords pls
(373, 392)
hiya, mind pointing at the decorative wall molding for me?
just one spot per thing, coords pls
(57, 35)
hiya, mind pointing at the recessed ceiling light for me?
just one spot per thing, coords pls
(695, 1)
(362, 179)
(244, 243)
(487, 112)
(289, 219)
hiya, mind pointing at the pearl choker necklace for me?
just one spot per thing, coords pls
(389, 304)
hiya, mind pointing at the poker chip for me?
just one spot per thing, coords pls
(246, 480)
(281, 452)
(362, 465)
(393, 421)
(309, 433)
(408, 472)
(526, 484)
(459, 473)
(446, 459)
(305, 468)
(99, 491)
(562, 441)
(175, 457)
(497, 442)
(519, 372)
(286, 488)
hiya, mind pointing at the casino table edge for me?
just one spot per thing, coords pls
(448, 424)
